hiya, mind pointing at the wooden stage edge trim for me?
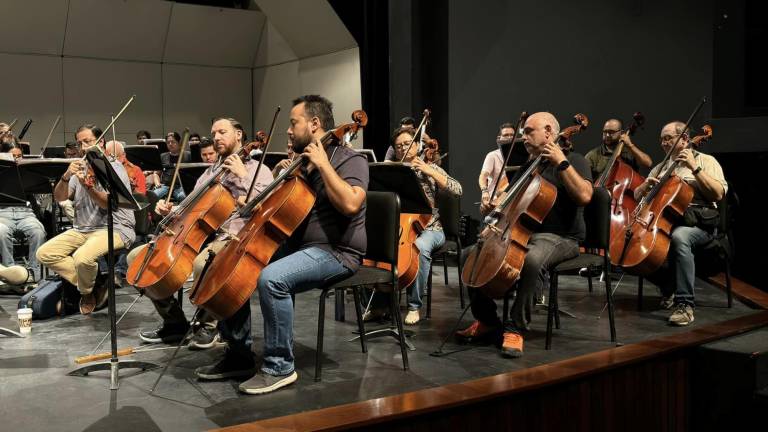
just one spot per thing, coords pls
(389, 408)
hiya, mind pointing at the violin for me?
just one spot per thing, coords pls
(431, 150)
(644, 245)
(621, 181)
(494, 263)
(700, 140)
(273, 216)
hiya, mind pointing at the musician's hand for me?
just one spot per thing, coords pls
(316, 154)
(685, 157)
(75, 168)
(626, 140)
(235, 166)
(241, 201)
(553, 153)
(485, 203)
(283, 164)
(163, 207)
(423, 167)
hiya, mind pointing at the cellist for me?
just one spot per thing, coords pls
(327, 246)
(431, 177)
(631, 154)
(227, 139)
(554, 241)
(705, 175)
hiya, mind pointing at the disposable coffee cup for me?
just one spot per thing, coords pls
(25, 320)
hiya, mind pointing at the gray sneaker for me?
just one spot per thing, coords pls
(682, 316)
(264, 383)
(229, 367)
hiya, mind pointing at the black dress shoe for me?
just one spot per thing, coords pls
(166, 333)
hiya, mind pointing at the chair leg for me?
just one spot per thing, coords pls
(359, 313)
(589, 283)
(460, 267)
(640, 293)
(556, 300)
(429, 293)
(320, 328)
(401, 333)
(445, 268)
(609, 299)
(551, 310)
(728, 282)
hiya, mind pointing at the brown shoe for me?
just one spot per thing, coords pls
(512, 345)
(100, 294)
(87, 303)
(475, 331)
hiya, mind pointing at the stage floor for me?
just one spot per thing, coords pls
(37, 395)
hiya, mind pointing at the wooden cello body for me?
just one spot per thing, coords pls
(494, 265)
(231, 278)
(411, 226)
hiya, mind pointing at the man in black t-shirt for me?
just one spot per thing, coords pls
(554, 241)
(599, 157)
(169, 160)
(327, 246)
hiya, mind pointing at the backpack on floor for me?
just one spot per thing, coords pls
(51, 297)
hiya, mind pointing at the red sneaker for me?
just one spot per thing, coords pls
(512, 345)
(475, 331)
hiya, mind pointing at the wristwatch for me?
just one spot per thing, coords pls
(697, 170)
(563, 165)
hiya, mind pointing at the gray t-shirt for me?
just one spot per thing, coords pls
(89, 217)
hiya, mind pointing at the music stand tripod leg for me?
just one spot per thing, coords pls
(8, 332)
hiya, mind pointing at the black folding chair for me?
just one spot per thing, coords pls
(449, 207)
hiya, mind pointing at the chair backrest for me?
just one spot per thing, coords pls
(142, 216)
(382, 226)
(597, 217)
(449, 207)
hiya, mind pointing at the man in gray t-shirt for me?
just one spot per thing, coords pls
(74, 254)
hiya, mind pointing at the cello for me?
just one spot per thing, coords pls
(621, 181)
(230, 278)
(644, 245)
(495, 262)
(700, 140)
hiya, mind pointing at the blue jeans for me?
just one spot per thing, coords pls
(21, 219)
(161, 192)
(298, 272)
(681, 260)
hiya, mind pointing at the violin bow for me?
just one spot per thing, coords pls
(264, 152)
(50, 134)
(184, 141)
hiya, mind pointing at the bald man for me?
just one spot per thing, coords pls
(554, 241)
(705, 175)
(138, 180)
(631, 154)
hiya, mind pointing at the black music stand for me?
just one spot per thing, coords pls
(119, 196)
(54, 152)
(517, 159)
(369, 154)
(189, 173)
(39, 176)
(147, 157)
(25, 148)
(194, 149)
(272, 158)
(158, 142)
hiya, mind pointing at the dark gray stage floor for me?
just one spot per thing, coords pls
(36, 394)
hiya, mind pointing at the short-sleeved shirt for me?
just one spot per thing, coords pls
(89, 217)
(492, 165)
(709, 165)
(391, 155)
(599, 157)
(239, 187)
(566, 218)
(169, 165)
(325, 227)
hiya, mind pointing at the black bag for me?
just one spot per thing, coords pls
(706, 218)
(51, 297)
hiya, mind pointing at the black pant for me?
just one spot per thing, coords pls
(546, 250)
(170, 310)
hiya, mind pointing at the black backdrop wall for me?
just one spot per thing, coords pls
(478, 64)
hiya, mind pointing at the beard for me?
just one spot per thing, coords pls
(301, 142)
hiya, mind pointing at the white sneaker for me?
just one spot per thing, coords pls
(412, 317)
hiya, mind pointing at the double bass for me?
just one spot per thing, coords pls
(621, 181)
(644, 244)
(230, 279)
(495, 262)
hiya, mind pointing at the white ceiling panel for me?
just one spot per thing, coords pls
(96, 89)
(213, 36)
(193, 95)
(117, 29)
(273, 48)
(33, 26)
(310, 27)
(32, 89)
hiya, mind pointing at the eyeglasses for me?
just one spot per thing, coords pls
(87, 141)
(403, 145)
(668, 138)
(610, 132)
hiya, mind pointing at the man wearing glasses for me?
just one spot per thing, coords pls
(74, 254)
(703, 173)
(599, 157)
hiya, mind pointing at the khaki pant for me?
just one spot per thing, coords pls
(74, 256)
(170, 309)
